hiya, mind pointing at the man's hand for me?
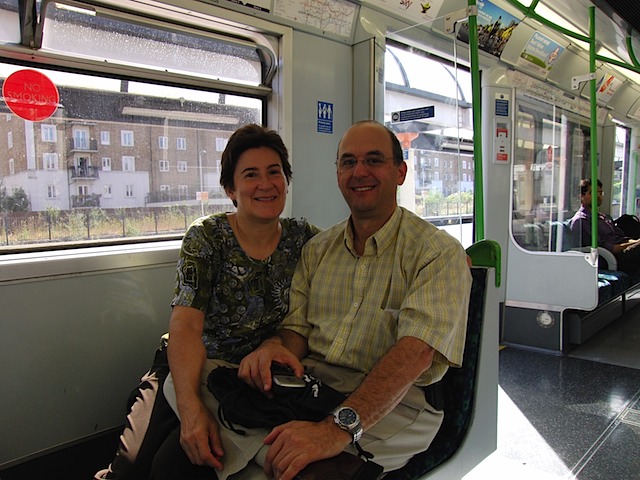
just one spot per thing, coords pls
(295, 445)
(255, 368)
(199, 437)
(630, 244)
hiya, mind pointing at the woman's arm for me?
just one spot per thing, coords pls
(199, 435)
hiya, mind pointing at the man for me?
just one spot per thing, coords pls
(378, 307)
(609, 236)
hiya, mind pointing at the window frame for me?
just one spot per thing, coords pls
(73, 258)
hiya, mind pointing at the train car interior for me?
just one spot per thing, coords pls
(114, 117)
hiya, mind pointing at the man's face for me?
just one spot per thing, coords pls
(587, 198)
(369, 186)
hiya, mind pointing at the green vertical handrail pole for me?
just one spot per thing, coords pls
(478, 183)
(594, 125)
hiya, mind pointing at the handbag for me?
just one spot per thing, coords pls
(241, 405)
(341, 467)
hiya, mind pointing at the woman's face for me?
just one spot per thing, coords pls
(260, 186)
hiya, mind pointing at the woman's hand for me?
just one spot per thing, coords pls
(199, 437)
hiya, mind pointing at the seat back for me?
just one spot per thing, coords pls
(459, 392)
(562, 237)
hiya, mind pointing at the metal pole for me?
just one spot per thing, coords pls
(201, 180)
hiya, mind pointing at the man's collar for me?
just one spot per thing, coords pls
(381, 239)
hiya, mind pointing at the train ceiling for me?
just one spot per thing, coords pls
(625, 13)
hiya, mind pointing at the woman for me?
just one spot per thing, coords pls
(232, 288)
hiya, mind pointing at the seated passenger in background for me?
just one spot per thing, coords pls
(609, 236)
(232, 292)
(378, 309)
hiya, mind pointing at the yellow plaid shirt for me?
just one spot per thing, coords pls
(412, 280)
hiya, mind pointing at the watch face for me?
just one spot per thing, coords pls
(347, 416)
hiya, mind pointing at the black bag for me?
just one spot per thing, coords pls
(342, 467)
(629, 224)
(245, 406)
(242, 405)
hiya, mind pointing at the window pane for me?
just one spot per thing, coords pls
(551, 156)
(76, 31)
(96, 168)
(438, 149)
(9, 21)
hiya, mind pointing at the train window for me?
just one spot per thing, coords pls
(132, 152)
(438, 144)
(9, 22)
(623, 190)
(551, 156)
(75, 30)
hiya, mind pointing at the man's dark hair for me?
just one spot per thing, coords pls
(585, 185)
(248, 137)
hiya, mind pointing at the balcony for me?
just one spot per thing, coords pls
(163, 197)
(83, 145)
(85, 172)
(85, 201)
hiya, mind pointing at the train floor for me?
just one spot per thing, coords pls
(570, 417)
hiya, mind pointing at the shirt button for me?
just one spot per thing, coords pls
(363, 267)
(355, 304)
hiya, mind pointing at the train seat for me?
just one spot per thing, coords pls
(459, 386)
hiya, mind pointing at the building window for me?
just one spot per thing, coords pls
(182, 166)
(183, 192)
(126, 138)
(128, 164)
(105, 137)
(164, 165)
(220, 144)
(128, 191)
(49, 133)
(10, 139)
(163, 143)
(181, 143)
(12, 167)
(107, 191)
(50, 161)
(52, 191)
(81, 139)
(106, 164)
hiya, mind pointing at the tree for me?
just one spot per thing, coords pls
(18, 202)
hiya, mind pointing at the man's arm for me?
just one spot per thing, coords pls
(388, 382)
(199, 435)
(297, 444)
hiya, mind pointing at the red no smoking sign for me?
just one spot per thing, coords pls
(30, 95)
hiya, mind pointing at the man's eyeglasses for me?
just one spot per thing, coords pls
(347, 163)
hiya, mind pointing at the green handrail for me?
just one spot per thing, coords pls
(478, 184)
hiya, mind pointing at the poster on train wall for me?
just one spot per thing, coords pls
(417, 12)
(539, 55)
(495, 27)
(606, 87)
(335, 17)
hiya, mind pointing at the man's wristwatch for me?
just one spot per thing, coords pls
(349, 420)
